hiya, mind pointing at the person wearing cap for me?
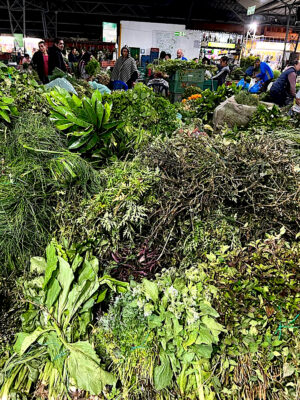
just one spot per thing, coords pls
(125, 69)
(265, 73)
(283, 90)
(180, 55)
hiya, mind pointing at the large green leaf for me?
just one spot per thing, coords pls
(65, 278)
(77, 100)
(53, 291)
(80, 142)
(60, 97)
(7, 100)
(151, 290)
(84, 368)
(163, 373)
(107, 108)
(38, 265)
(206, 309)
(4, 115)
(90, 144)
(96, 97)
(51, 263)
(90, 112)
(100, 113)
(212, 324)
(63, 125)
(204, 336)
(203, 350)
(87, 285)
(65, 112)
(28, 340)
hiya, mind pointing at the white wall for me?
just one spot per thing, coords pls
(147, 34)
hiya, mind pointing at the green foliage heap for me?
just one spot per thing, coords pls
(93, 67)
(53, 347)
(85, 120)
(204, 106)
(171, 322)
(23, 88)
(251, 292)
(143, 111)
(172, 66)
(37, 171)
(246, 98)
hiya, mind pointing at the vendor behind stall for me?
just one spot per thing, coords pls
(265, 73)
(283, 90)
(223, 71)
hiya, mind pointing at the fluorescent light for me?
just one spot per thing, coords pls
(253, 26)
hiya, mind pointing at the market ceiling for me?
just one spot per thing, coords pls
(83, 18)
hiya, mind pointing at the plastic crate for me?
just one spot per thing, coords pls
(190, 75)
(210, 84)
(179, 87)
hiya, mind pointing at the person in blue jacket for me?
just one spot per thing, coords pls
(265, 73)
(180, 55)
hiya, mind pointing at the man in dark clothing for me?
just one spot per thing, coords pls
(40, 62)
(55, 56)
(283, 90)
(73, 58)
(224, 71)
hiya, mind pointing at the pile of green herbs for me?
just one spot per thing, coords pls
(23, 89)
(184, 195)
(203, 107)
(170, 67)
(226, 328)
(212, 309)
(53, 350)
(37, 171)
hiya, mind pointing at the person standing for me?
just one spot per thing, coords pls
(180, 55)
(223, 71)
(125, 69)
(72, 57)
(283, 90)
(85, 59)
(55, 56)
(40, 62)
(26, 59)
(265, 73)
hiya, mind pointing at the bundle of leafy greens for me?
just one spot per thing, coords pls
(87, 122)
(53, 348)
(169, 324)
(37, 172)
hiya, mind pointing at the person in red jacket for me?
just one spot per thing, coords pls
(40, 62)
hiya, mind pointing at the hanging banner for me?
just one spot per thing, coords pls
(19, 39)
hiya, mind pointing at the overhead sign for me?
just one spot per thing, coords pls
(179, 33)
(110, 32)
(251, 10)
(218, 45)
(19, 39)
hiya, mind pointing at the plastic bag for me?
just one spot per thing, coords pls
(62, 83)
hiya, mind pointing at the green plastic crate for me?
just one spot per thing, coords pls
(190, 75)
(210, 84)
(179, 87)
